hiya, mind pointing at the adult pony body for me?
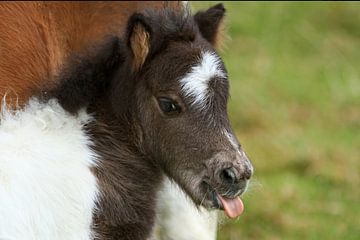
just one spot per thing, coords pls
(37, 38)
(157, 101)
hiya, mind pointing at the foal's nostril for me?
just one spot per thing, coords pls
(228, 175)
(247, 173)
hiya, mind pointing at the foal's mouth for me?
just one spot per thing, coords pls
(232, 204)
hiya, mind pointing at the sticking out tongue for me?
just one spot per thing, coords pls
(232, 207)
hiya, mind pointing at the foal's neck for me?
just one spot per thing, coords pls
(128, 181)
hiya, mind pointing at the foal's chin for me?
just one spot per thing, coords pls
(203, 195)
(207, 197)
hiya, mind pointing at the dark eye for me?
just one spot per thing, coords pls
(168, 105)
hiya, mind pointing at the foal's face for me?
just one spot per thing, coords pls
(185, 123)
(181, 106)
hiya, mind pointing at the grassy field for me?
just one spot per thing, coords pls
(295, 106)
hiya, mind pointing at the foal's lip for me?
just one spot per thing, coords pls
(216, 201)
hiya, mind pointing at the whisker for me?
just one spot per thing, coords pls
(203, 198)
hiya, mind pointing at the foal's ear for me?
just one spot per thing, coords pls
(211, 24)
(138, 39)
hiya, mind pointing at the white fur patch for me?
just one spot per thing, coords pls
(179, 219)
(47, 190)
(196, 83)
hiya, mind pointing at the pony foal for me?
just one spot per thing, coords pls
(165, 112)
(159, 106)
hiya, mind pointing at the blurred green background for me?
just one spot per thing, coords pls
(295, 83)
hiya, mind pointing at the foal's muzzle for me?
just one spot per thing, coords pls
(234, 181)
(232, 173)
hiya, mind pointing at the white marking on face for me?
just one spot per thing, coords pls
(195, 84)
(47, 190)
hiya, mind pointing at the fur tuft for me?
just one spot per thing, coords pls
(47, 190)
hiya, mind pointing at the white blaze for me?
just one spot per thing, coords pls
(196, 83)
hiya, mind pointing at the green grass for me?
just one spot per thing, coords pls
(295, 83)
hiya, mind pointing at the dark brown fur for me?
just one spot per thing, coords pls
(128, 182)
(211, 24)
(85, 78)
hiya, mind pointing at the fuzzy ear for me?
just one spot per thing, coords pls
(138, 35)
(211, 24)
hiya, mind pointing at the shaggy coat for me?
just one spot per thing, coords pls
(142, 107)
(133, 159)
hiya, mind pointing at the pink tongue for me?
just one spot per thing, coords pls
(232, 207)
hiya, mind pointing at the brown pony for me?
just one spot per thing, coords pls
(37, 38)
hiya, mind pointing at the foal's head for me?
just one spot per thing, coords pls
(175, 87)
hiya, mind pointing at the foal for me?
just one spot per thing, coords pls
(164, 111)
